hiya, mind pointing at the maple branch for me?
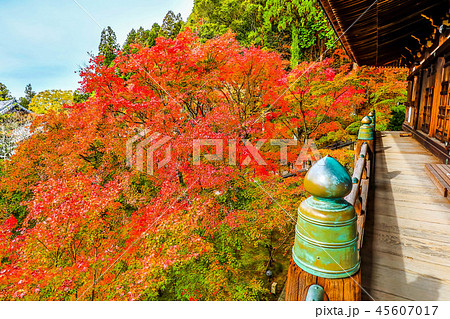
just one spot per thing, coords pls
(300, 101)
(326, 112)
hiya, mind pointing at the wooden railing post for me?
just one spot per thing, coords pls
(366, 135)
(326, 250)
(371, 116)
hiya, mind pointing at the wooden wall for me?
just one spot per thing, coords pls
(428, 104)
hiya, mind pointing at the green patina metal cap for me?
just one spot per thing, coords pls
(372, 118)
(328, 179)
(315, 293)
(326, 233)
(366, 130)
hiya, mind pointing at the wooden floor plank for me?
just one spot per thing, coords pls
(432, 252)
(406, 252)
(415, 197)
(378, 295)
(408, 285)
(412, 212)
(413, 228)
(408, 183)
(438, 272)
(383, 198)
(406, 189)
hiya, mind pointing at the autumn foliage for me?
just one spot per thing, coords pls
(77, 223)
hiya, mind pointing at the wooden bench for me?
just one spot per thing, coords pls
(440, 175)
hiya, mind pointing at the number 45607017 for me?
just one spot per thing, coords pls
(407, 310)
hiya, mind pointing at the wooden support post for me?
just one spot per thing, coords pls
(366, 135)
(436, 95)
(373, 118)
(421, 105)
(358, 145)
(340, 289)
(326, 250)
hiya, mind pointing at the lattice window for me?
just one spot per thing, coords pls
(443, 120)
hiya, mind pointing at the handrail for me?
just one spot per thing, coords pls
(362, 173)
(358, 172)
(338, 145)
(326, 245)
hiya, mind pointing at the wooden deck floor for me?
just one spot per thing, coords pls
(406, 252)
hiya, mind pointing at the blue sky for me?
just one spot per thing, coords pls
(43, 42)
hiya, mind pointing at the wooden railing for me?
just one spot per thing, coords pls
(310, 277)
(358, 197)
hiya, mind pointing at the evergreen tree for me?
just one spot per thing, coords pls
(142, 36)
(310, 31)
(171, 25)
(212, 18)
(108, 45)
(154, 31)
(131, 38)
(297, 29)
(4, 92)
(29, 94)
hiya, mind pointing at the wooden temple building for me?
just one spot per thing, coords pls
(395, 243)
(12, 106)
(413, 34)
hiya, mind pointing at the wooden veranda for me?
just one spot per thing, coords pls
(402, 207)
(406, 252)
(402, 224)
